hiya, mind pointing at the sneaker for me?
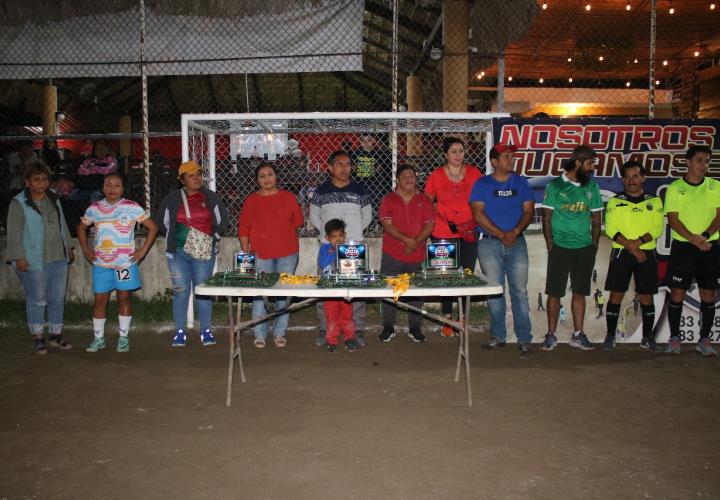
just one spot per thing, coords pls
(332, 349)
(207, 338)
(360, 339)
(351, 345)
(649, 344)
(180, 339)
(549, 343)
(674, 346)
(526, 348)
(705, 347)
(387, 333)
(123, 344)
(96, 345)
(447, 331)
(494, 343)
(56, 340)
(320, 339)
(609, 343)
(40, 347)
(416, 335)
(580, 341)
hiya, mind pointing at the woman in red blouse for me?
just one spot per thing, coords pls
(268, 226)
(449, 187)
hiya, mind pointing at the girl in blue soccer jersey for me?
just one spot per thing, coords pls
(114, 258)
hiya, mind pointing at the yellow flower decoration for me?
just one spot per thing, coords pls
(400, 284)
(292, 279)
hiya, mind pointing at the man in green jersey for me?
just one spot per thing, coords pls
(692, 205)
(571, 225)
(633, 221)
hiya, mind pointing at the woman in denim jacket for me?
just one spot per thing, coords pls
(39, 250)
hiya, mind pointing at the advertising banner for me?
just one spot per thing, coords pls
(545, 144)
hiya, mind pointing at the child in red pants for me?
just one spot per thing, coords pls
(338, 312)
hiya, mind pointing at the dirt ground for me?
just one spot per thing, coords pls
(385, 422)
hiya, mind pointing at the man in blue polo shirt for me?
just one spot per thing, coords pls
(503, 206)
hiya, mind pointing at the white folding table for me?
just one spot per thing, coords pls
(311, 294)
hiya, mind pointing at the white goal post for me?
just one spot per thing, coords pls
(228, 146)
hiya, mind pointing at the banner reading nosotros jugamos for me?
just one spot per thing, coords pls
(544, 144)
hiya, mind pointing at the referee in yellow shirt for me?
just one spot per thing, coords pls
(634, 220)
(692, 205)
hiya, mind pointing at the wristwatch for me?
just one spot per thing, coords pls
(705, 235)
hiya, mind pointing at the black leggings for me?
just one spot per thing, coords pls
(467, 257)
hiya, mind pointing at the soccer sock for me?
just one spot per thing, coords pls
(124, 327)
(707, 315)
(648, 320)
(674, 312)
(99, 327)
(611, 318)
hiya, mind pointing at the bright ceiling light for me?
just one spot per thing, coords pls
(627, 6)
(588, 7)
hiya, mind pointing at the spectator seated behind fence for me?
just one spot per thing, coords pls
(91, 174)
(16, 161)
(372, 166)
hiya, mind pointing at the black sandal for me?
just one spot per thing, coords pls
(57, 341)
(40, 346)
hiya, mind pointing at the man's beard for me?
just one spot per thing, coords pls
(582, 176)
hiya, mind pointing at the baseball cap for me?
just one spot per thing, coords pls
(500, 148)
(188, 167)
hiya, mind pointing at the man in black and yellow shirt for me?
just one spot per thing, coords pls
(692, 205)
(633, 222)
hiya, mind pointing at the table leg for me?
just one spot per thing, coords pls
(231, 343)
(466, 329)
(238, 342)
(461, 335)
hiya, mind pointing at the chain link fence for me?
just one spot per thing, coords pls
(230, 148)
(70, 73)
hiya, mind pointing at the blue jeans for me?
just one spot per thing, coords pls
(286, 264)
(499, 262)
(45, 289)
(185, 273)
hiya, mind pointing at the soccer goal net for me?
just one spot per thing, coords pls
(230, 146)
